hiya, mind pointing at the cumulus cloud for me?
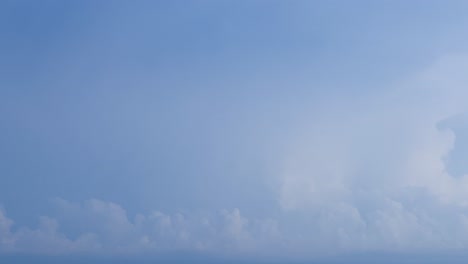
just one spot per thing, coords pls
(44, 239)
(105, 228)
(371, 170)
(359, 174)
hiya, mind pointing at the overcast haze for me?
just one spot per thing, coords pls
(233, 131)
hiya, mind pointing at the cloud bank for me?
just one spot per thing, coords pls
(105, 228)
(358, 174)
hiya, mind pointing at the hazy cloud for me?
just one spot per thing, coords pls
(105, 228)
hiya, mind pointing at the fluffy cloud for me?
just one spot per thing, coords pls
(96, 226)
(371, 170)
(360, 174)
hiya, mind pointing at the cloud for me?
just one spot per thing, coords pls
(6, 240)
(104, 228)
(44, 239)
(370, 174)
(358, 174)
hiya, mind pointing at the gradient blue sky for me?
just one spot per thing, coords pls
(238, 130)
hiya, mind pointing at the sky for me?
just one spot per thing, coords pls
(258, 131)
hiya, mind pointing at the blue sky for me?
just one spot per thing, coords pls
(253, 130)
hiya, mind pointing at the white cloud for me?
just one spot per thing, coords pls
(365, 174)
(372, 172)
(105, 228)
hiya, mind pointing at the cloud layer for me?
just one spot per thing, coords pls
(104, 228)
(358, 174)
